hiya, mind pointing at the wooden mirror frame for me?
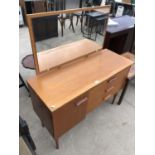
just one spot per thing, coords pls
(30, 17)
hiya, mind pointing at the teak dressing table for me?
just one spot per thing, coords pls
(62, 97)
(69, 86)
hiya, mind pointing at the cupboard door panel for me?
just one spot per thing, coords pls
(96, 96)
(69, 115)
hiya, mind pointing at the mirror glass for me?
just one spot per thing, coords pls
(63, 30)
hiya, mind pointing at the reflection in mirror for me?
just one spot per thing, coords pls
(80, 31)
(61, 29)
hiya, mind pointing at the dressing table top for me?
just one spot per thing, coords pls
(59, 86)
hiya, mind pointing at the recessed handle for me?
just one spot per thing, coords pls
(81, 101)
(113, 79)
(109, 89)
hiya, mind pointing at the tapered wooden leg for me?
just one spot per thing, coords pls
(57, 143)
(42, 124)
(123, 92)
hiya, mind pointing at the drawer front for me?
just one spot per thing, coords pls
(96, 96)
(114, 84)
(69, 115)
(114, 80)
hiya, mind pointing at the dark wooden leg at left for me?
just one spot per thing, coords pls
(123, 92)
(57, 143)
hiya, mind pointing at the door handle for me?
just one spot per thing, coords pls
(81, 101)
(109, 89)
(113, 79)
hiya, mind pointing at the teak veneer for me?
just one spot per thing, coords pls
(62, 97)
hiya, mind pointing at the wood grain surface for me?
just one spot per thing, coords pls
(58, 87)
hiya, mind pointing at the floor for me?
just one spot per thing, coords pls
(108, 130)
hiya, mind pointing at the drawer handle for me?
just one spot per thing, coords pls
(82, 101)
(113, 79)
(109, 89)
(107, 97)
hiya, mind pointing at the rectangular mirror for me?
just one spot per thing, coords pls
(65, 35)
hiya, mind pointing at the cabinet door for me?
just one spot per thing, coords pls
(96, 96)
(69, 115)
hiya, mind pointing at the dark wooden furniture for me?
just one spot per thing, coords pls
(120, 38)
(35, 6)
(28, 62)
(45, 27)
(23, 7)
(32, 6)
(61, 103)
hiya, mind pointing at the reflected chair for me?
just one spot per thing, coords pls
(62, 18)
(78, 15)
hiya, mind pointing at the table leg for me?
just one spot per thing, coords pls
(107, 40)
(123, 92)
(57, 143)
(114, 99)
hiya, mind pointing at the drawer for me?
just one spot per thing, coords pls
(69, 115)
(117, 78)
(114, 84)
